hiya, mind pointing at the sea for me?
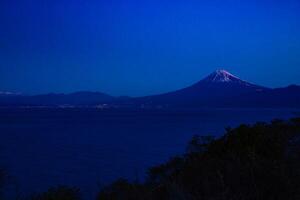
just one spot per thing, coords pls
(89, 148)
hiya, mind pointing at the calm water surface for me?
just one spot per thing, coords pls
(89, 148)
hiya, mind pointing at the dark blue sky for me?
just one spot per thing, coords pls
(145, 47)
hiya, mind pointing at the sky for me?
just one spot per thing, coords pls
(145, 47)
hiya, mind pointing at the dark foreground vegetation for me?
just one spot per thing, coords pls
(258, 162)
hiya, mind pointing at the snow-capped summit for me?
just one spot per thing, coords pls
(222, 76)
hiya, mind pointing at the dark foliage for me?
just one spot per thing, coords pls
(3, 177)
(248, 163)
(58, 193)
(123, 190)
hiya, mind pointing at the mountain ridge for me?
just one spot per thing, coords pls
(218, 89)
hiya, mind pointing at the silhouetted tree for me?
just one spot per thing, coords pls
(199, 143)
(255, 162)
(59, 193)
(123, 190)
(3, 179)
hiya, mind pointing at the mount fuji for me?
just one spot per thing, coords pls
(219, 89)
(223, 89)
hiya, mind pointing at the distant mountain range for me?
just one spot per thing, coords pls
(52, 99)
(219, 89)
